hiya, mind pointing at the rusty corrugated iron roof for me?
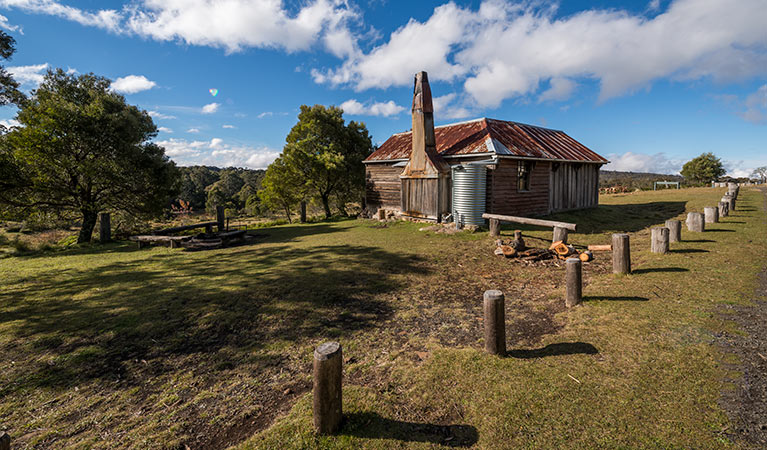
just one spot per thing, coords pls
(501, 137)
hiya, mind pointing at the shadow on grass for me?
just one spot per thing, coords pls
(660, 270)
(720, 230)
(370, 425)
(698, 241)
(615, 298)
(732, 221)
(563, 348)
(96, 322)
(689, 250)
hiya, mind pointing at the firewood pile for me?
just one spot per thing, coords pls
(559, 250)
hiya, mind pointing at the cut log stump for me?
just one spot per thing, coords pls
(560, 235)
(674, 230)
(621, 254)
(493, 304)
(574, 280)
(327, 410)
(660, 237)
(695, 222)
(711, 214)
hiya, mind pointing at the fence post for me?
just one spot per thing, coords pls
(574, 281)
(560, 234)
(495, 322)
(695, 222)
(220, 218)
(621, 253)
(327, 405)
(495, 227)
(660, 238)
(105, 228)
(723, 209)
(5, 441)
(674, 230)
(711, 213)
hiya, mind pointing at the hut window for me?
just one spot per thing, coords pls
(523, 175)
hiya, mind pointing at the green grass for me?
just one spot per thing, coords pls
(112, 347)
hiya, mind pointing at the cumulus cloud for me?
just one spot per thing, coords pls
(385, 109)
(559, 89)
(228, 127)
(164, 130)
(446, 107)
(210, 108)
(756, 106)
(30, 76)
(4, 24)
(9, 123)
(218, 153)
(107, 19)
(193, 130)
(159, 115)
(642, 162)
(132, 84)
(265, 114)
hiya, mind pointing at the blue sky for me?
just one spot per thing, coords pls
(648, 84)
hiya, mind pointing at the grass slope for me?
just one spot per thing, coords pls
(118, 348)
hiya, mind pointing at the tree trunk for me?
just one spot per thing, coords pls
(287, 214)
(326, 205)
(89, 223)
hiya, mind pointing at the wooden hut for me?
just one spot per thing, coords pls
(516, 169)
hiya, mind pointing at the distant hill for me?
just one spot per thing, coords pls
(633, 180)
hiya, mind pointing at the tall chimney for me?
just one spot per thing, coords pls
(424, 159)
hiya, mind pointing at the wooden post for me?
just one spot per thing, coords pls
(660, 238)
(730, 203)
(495, 322)
(327, 387)
(105, 228)
(381, 214)
(220, 218)
(495, 227)
(303, 212)
(695, 222)
(621, 253)
(5, 441)
(560, 234)
(723, 207)
(574, 280)
(711, 214)
(674, 230)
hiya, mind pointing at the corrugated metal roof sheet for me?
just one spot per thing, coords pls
(493, 136)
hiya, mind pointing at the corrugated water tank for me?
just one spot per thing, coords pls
(469, 189)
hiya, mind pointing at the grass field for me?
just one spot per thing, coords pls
(114, 347)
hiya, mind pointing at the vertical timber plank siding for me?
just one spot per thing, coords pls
(574, 186)
(420, 197)
(503, 196)
(382, 186)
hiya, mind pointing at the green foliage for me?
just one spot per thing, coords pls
(282, 187)
(703, 169)
(326, 155)
(82, 150)
(207, 187)
(9, 88)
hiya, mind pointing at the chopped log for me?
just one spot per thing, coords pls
(711, 214)
(586, 256)
(508, 251)
(560, 248)
(560, 235)
(659, 242)
(493, 304)
(695, 222)
(529, 221)
(495, 227)
(621, 253)
(574, 282)
(600, 248)
(327, 401)
(518, 243)
(674, 230)
(381, 214)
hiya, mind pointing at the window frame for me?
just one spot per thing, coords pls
(524, 175)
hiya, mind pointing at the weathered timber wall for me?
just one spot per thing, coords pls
(383, 186)
(503, 197)
(420, 197)
(573, 186)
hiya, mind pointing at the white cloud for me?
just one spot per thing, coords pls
(159, 115)
(445, 108)
(132, 84)
(29, 75)
(164, 130)
(228, 127)
(504, 50)
(654, 5)
(265, 114)
(218, 153)
(385, 109)
(641, 162)
(559, 89)
(210, 108)
(9, 123)
(4, 24)
(756, 106)
(107, 19)
(193, 130)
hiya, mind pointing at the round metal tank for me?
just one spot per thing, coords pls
(469, 188)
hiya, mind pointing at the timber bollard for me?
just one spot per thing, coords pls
(220, 218)
(574, 281)
(302, 216)
(730, 203)
(381, 214)
(674, 230)
(105, 228)
(327, 387)
(495, 322)
(660, 238)
(695, 222)
(711, 214)
(621, 253)
(5, 441)
(723, 209)
(495, 227)
(560, 234)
